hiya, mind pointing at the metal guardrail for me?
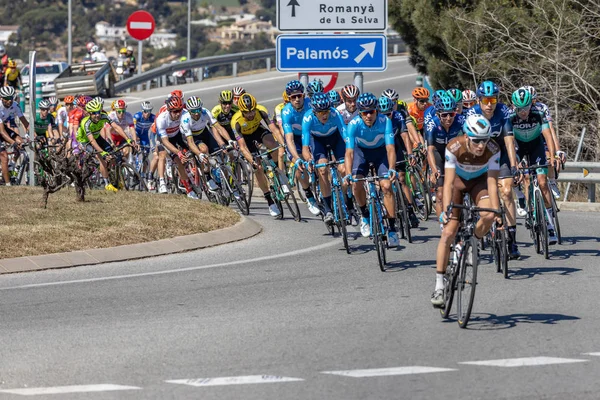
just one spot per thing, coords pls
(395, 45)
(582, 172)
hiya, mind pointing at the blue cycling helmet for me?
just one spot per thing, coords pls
(315, 87)
(487, 89)
(366, 102)
(477, 126)
(385, 105)
(320, 102)
(294, 86)
(437, 95)
(335, 98)
(456, 94)
(445, 103)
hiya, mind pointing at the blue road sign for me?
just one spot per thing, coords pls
(307, 53)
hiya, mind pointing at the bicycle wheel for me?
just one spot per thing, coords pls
(495, 247)
(340, 216)
(556, 222)
(467, 282)
(542, 226)
(245, 174)
(240, 196)
(402, 213)
(131, 178)
(450, 278)
(419, 202)
(377, 235)
(503, 247)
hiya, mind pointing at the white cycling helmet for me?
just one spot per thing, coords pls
(94, 49)
(146, 106)
(7, 92)
(53, 100)
(477, 127)
(469, 96)
(531, 90)
(194, 103)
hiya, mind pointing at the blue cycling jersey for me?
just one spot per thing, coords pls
(311, 126)
(380, 134)
(398, 123)
(142, 125)
(291, 119)
(438, 137)
(428, 117)
(498, 122)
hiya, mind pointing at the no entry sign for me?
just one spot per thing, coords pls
(140, 25)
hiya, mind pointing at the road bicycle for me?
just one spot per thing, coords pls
(536, 220)
(122, 174)
(229, 185)
(402, 218)
(497, 238)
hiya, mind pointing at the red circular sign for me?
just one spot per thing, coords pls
(140, 25)
(329, 79)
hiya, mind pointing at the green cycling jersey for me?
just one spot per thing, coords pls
(89, 127)
(41, 125)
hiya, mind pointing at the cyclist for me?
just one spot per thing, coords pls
(291, 122)
(124, 119)
(430, 111)
(251, 124)
(348, 109)
(314, 87)
(322, 127)
(75, 117)
(385, 106)
(336, 99)
(62, 116)
(89, 136)
(456, 95)
(440, 131)
(44, 124)
(53, 105)
(471, 167)
(168, 129)
(224, 111)
(370, 139)
(143, 120)
(237, 91)
(201, 129)
(413, 135)
(469, 99)
(497, 114)
(10, 111)
(12, 75)
(277, 111)
(419, 105)
(529, 126)
(7, 140)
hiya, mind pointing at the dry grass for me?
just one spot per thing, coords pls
(104, 220)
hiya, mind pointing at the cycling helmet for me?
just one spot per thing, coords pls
(52, 100)
(123, 50)
(12, 63)
(350, 92)
(146, 106)
(44, 105)
(521, 98)
(99, 99)
(335, 98)
(487, 89)
(315, 86)
(118, 104)
(238, 91)
(285, 97)
(420, 93)
(177, 93)
(469, 96)
(477, 126)
(7, 92)
(194, 103)
(226, 96)
(385, 105)
(366, 102)
(130, 48)
(531, 90)
(94, 49)
(294, 86)
(437, 94)
(83, 100)
(174, 103)
(93, 106)
(247, 102)
(320, 102)
(456, 94)
(402, 104)
(89, 46)
(391, 94)
(444, 104)
(69, 100)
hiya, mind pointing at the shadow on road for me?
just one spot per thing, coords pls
(571, 240)
(564, 254)
(527, 273)
(398, 266)
(484, 321)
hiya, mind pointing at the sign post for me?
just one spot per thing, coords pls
(140, 26)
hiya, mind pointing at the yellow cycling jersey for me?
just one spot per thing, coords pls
(249, 127)
(277, 112)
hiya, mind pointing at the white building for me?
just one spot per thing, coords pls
(107, 33)
(6, 31)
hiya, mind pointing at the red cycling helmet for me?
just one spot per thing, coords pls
(174, 104)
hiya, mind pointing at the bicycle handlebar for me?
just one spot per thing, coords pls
(472, 208)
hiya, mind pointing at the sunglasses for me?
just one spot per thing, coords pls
(322, 113)
(448, 115)
(296, 96)
(146, 111)
(120, 111)
(96, 113)
(479, 141)
(422, 101)
(368, 112)
(195, 111)
(226, 103)
(523, 109)
(468, 104)
(489, 100)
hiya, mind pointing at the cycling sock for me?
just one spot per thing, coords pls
(512, 233)
(364, 211)
(308, 193)
(439, 281)
(327, 203)
(348, 199)
(392, 223)
(105, 181)
(268, 198)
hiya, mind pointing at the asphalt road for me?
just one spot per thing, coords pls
(289, 315)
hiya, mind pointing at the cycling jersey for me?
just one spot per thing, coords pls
(347, 116)
(167, 127)
(242, 127)
(41, 125)
(418, 114)
(62, 116)
(10, 114)
(312, 127)
(88, 127)
(142, 127)
(543, 108)
(190, 126)
(224, 119)
(529, 129)
(291, 119)
(277, 112)
(467, 165)
(125, 122)
(398, 127)
(498, 123)
(380, 134)
(438, 137)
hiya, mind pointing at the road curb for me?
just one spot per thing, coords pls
(244, 229)
(578, 206)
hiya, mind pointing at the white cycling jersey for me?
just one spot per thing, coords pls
(62, 116)
(11, 113)
(124, 123)
(167, 127)
(346, 115)
(189, 126)
(99, 57)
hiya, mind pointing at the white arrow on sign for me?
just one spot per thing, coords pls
(368, 48)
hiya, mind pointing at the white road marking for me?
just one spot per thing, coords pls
(592, 354)
(68, 389)
(173, 271)
(524, 362)
(368, 373)
(234, 380)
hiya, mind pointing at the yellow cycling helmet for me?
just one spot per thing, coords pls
(402, 104)
(226, 96)
(123, 50)
(12, 63)
(247, 102)
(286, 98)
(93, 106)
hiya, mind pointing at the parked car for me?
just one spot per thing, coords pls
(45, 72)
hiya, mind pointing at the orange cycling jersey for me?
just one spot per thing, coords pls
(417, 114)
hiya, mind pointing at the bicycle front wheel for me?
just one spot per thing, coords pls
(402, 213)
(542, 225)
(292, 205)
(131, 178)
(341, 216)
(377, 235)
(467, 281)
(556, 222)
